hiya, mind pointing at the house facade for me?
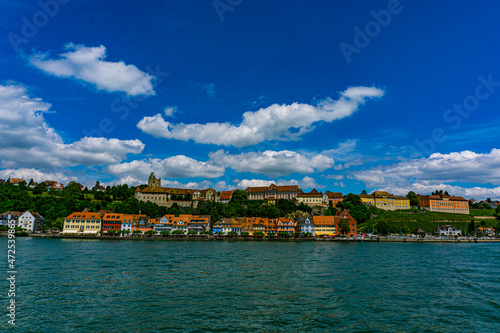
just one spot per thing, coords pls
(313, 198)
(385, 200)
(31, 221)
(83, 222)
(334, 197)
(286, 225)
(444, 203)
(112, 221)
(10, 215)
(278, 192)
(305, 224)
(448, 230)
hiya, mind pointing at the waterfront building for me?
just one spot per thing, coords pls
(184, 222)
(286, 225)
(224, 226)
(83, 222)
(385, 200)
(313, 198)
(31, 221)
(278, 192)
(486, 231)
(141, 223)
(166, 196)
(225, 196)
(127, 222)
(443, 203)
(305, 224)
(9, 216)
(345, 217)
(112, 221)
(448, 230)
(325, 225)
(334, 197)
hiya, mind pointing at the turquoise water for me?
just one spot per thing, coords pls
(68, 285)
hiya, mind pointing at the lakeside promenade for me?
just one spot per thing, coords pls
(381, 239)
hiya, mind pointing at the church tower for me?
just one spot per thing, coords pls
(153, 181)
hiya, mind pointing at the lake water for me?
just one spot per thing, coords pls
(66, 285)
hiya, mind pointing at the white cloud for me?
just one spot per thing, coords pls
(272, 163)
(336, 177)
(465, 166)
(88, 64)
(27, 141)
(170, 110)
(305, 183)
(179, 166)
(428, 174)
(37, 175)
(276, 122)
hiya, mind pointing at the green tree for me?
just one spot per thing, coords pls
(40, 188)
(192, 232)
(112, 232)
(412, 196)
(178, 232)
(258, 234)
(239, 195)
(136, 232)
(383, 228)
(165, 233)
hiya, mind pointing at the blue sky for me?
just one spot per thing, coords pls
(338, 95)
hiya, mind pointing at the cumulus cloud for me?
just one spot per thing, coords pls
(428, 174)
(26, 140)
(88, 64)
(179, 166)
(170, 110)
(305, 183)
(276, 122)
(273, 163)
(35, 174)
(465, 166)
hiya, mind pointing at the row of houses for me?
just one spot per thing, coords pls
(314, 225)
(31, 221)
(102, 222)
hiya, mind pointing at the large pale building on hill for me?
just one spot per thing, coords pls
(278, 192)
(167, 196)
(385, 200)
(444, 203)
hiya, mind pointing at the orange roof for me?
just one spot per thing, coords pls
(226, 195)
(325, 219)
(333, 194)
(85, 216)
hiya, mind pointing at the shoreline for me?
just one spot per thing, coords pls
(250, 239)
